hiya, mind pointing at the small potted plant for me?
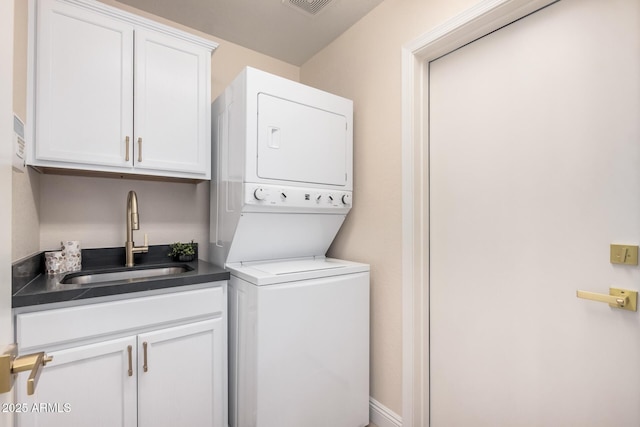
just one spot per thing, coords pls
(184, 252)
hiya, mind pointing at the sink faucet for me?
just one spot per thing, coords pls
(133, 223)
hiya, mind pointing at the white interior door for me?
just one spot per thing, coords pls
(534, 172)
(6, 132)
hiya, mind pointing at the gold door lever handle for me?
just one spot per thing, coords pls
(617, 298)
(11, 364)
(33, 362)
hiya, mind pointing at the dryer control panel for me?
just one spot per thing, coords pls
(283, 198)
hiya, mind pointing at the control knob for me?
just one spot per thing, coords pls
(346, 199)
(259, 193)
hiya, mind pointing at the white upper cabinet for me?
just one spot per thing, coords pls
(172, 107)
(114, 92)
(84, 87)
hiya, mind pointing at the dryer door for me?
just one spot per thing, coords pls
(300, 143)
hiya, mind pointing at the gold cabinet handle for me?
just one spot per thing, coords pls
(126, 154)
(145, 367)
(130, 350)
(11, 364)
(139, 150)
(617, 298)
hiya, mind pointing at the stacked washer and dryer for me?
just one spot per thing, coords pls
(298, 321)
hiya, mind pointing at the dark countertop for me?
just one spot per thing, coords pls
(32, 286)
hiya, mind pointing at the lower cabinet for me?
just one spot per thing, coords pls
(180, 366)
(86, 385)
(165, 376)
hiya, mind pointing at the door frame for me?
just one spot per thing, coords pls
(483, 18)
(6, 155)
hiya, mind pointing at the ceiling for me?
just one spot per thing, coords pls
(272, 27)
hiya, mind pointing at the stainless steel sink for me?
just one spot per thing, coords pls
(126, 275)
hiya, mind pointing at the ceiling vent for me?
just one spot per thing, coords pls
(308, 7)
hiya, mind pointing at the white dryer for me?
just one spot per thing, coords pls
(298, 322)
(283, 169)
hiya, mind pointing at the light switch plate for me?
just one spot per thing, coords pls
(624, 254)
(18, 162)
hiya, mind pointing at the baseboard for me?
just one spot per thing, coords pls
(382, 416)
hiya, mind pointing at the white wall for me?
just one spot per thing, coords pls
(25, 238)
(6, 133)
(92, 210)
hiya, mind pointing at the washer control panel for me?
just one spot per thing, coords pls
(296, 197)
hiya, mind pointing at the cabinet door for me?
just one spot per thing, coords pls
(172, 108)
(84, 88)
(88, 385)
(183, 381)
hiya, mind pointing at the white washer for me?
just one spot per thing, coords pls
(299, 343)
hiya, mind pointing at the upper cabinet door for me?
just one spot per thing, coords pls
(172, 123)
(84, 87)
